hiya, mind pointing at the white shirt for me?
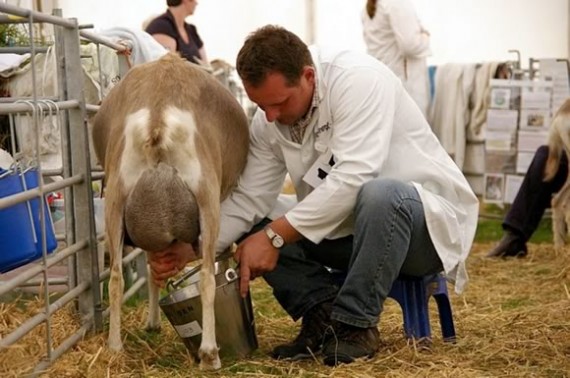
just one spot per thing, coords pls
(372, 127)
(396, 37)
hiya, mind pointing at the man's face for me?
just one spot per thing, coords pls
(281, 102)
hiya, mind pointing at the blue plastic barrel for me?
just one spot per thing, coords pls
(20, 224)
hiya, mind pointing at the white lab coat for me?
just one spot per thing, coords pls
(394, 36)
(372, 127)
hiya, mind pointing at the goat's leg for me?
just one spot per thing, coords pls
(153, 321)
(558, 227)
(116, 290)
(558, 216)
(566, 222)
(209, 220)
(114, 227)
(565, 214)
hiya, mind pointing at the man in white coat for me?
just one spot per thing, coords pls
(394, 35)
(377, 194)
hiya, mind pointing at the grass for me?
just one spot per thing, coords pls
(489, 228)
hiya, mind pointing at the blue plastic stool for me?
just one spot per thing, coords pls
(413, 293)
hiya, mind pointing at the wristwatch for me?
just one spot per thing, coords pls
(276, 239)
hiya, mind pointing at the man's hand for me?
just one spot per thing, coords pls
(167, 263)
(255, 256)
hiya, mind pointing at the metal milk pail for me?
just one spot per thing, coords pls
(235, 325)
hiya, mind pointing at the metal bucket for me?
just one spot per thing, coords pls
(235, 325)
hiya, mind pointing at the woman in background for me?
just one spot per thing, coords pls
(174, 33)
(394, 35)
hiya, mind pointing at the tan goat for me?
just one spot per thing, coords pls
(559, 141)
(173, 142)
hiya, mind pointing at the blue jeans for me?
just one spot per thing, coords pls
(390, 238)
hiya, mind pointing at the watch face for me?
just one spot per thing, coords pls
(277, 241)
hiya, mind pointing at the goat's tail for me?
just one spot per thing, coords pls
(157, 142)
(558, 140)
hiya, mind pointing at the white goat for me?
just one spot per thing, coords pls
(173, 142)
(559, 140)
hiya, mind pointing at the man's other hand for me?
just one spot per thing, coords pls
(255, 256)
(167, 263)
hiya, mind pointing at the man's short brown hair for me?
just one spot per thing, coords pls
(272, 48)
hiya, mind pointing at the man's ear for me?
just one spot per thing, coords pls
(309, 73)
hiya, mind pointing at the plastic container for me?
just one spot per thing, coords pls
(20, 225)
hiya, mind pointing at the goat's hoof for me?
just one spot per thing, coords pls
(209, 360)
(115, 346)
(152, 327)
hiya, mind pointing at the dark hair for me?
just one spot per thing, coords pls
(272, 48)
(173, 3)
(371, 8)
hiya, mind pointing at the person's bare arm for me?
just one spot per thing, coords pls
(167, 41)
(203, 57)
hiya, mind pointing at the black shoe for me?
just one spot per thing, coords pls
(310, 340)
(345, 343)
(511, 244)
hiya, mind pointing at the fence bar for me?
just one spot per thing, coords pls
(92, 108)
(21, 15)
(34, 271)
(126, 261)
(29, 324)
(63, 347)
(51, 281)
(36, 192)
(103, 41)
(22, 49)
(26, 108)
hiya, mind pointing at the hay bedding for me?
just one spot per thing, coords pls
(512, 321)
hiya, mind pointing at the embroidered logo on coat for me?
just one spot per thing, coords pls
(322, 129)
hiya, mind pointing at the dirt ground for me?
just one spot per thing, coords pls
(513, 320)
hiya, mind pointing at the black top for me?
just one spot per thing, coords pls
(165, 24)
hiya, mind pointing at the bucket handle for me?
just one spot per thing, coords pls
(173, 285)
(230, 275)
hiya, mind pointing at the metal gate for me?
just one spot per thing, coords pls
(78, 246)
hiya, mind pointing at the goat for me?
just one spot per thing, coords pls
(173, 142)
(558, 140)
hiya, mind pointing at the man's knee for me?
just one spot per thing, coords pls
(382, 192)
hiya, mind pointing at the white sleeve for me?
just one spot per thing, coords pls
(258, 186)
(407, 29)
(363, 104)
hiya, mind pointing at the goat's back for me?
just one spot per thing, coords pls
(167, 83)
(166, 132)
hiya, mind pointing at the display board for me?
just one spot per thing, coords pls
(518, 121)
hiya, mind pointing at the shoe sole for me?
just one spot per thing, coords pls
(297, 357)
(344, 359)
(519, 254)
